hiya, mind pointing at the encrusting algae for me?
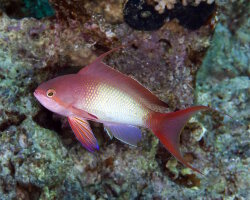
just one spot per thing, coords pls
(169, 4)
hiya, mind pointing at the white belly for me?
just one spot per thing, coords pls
(112, 105)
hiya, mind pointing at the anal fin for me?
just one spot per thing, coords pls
(126, 133)
(109, 133)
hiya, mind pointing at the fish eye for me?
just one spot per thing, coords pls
(51, 93)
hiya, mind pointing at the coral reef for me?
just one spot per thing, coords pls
(170, 4)
(40, 157)
(141, 15)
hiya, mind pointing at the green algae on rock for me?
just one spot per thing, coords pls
(225, 86)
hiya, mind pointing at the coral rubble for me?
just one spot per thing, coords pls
(141, 15)
(170, 4)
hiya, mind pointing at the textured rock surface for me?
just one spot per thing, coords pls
(223, 82)
(41, 159)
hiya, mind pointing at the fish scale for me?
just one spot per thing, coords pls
(111, 104)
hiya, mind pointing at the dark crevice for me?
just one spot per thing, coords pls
(13, 118)
(162, 157)
(140, 15)
(165, 44)
(100, 48)
(54, 122)
(196, 57)
(28, 191)
(110, 191)
(192, 17)
(12, 169)
(13, 8)
(44, 118)
(19, 9)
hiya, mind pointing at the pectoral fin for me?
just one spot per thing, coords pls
(126, 133)
(83, 113)
(83, 132)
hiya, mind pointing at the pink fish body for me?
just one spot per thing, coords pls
(102, 94)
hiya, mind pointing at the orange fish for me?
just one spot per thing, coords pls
(101, 94)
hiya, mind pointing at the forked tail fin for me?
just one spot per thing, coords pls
(168, 126)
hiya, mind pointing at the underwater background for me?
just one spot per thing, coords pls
(188, 52)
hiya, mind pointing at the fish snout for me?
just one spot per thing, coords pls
(37, 93)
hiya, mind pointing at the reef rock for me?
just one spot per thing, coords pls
(40, 157)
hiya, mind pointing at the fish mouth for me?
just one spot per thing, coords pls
(37, 93)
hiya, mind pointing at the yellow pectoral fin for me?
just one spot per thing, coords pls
(83, 132)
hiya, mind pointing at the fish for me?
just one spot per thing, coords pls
(102, 94)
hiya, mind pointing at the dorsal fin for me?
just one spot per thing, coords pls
(98, 60)
(106, 74)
